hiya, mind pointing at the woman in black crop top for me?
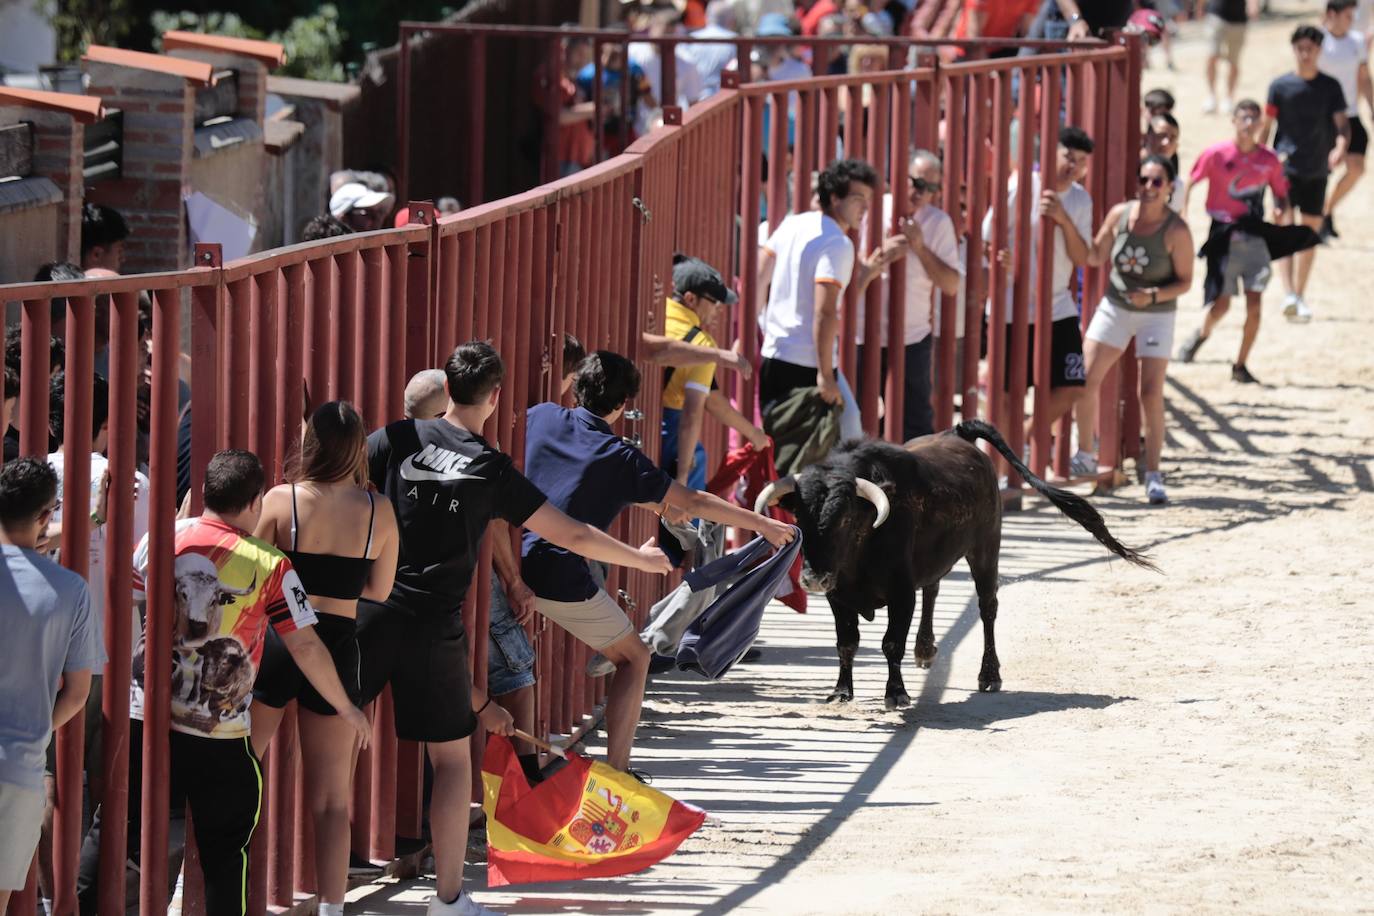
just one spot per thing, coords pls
(342, 541)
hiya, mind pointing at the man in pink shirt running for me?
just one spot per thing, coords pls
(1237, 171)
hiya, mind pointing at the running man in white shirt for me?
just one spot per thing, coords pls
(1345, 57)
(804, 268)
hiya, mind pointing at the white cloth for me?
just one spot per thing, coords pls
(711, 59)
(95, 573)
(1078, 203)
(807, 248)
(1340, 60)
(938, 231)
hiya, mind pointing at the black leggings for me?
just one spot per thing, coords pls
(221, 781)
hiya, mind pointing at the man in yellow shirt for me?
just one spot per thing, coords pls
(689, 392)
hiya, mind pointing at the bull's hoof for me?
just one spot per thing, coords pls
(840, 695)
(987, 685)
(925, 655)
(897, 700)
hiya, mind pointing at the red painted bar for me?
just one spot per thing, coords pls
(1021, 304)
(777, 158)
(118, 584)
(1045, 291)
(35, 341)
(279, 803)
(159, 585)
(974, 199)
(998, 278)
(349, 318)
(402, 271)
(76, 539)
(322, 333)
(894, 395)
(804, 154)
(382, 820)
(869, 375)
(753, 299)
(954, 157)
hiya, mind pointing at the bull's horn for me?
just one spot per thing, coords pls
(774, 492)
(874, 494)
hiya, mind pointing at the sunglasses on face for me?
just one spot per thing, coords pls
(1147, 181)
(921, 186)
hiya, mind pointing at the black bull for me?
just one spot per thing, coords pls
(880, 521)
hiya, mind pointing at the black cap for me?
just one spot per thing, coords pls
(693, 275)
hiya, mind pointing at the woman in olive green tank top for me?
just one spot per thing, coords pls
(1149, 251)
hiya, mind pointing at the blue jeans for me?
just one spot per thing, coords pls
(510, 657)
(696, 480)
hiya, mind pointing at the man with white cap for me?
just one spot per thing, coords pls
(359, 207)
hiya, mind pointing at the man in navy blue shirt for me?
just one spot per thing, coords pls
(591, 474)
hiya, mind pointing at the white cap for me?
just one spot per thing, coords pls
(354, 196)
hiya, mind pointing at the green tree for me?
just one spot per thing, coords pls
(313, 43)
(80, 23)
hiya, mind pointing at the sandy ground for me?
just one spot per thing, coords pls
(1198, 741)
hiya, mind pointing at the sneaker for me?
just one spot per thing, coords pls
(1328, 229)
(1083, 464)
(1290, 305)
(1225, 106)
(1209, 104)
(600, 666)
(1242, 375)
(463, 906)
(1154, 488)
(1188, 352)
(1301, 313)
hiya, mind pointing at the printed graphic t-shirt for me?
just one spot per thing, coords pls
(446, 484)
(1236, 180)
(229, 587)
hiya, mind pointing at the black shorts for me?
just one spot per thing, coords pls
(280, 681)
(424, 657)
(1359, 137)
(1308, 194)
(1067, 369)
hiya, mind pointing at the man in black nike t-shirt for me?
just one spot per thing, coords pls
(446, 483)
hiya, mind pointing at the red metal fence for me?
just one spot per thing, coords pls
(353, 317)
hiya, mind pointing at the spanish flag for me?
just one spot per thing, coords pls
(586, 821)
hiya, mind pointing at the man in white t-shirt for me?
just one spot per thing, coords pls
(804, 268)
(1070, 206)
(1345, 58)
(932, 263)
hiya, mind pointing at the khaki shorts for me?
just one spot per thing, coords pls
(599, 622)
(21, 818)
(1225, 38)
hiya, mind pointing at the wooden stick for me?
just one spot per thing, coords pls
(542, 745)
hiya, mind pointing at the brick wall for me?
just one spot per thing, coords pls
(252, 78)
(58, 141)
(158, 112)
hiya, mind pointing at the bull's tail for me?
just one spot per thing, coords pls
(1071, 504)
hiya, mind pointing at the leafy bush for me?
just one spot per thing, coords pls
(313, 43)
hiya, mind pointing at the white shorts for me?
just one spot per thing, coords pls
(1115, 326)
(21, 818)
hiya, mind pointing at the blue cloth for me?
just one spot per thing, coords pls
(725, 630)
(610, 79)
(45, 615)
(589, 473)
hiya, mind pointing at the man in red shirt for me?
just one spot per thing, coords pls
(996, 19)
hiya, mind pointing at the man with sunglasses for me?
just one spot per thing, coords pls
(52, 643)
(932, 267)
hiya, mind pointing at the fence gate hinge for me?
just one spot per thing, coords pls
(643, 210)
